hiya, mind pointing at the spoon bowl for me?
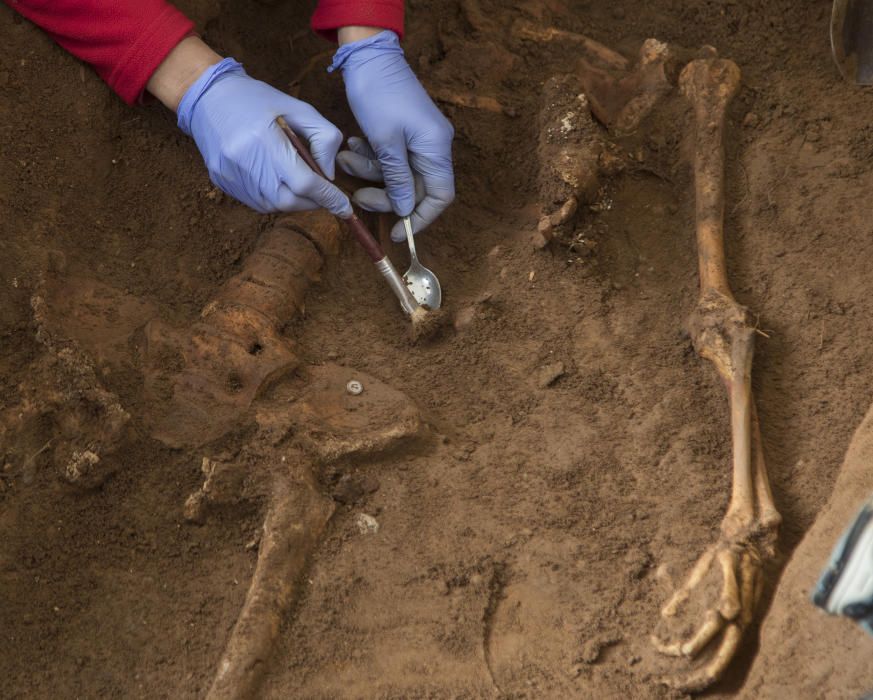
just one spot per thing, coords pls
(423, 283)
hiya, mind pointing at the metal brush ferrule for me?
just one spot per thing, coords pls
(398, 286)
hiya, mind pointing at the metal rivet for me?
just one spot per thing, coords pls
(354, 387)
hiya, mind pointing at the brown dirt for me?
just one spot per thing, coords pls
(518, 543)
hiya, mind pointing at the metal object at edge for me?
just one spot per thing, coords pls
(852, 39)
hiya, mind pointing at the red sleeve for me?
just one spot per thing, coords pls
(125, 40)
(330, 15)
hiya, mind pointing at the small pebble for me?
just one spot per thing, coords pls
(549, 374)
(367, 524)
(464, 318)
(590, 652)
(751, 120)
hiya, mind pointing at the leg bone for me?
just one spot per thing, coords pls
(722, 332)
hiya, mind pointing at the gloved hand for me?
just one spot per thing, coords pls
(409, 136)
(232, 118)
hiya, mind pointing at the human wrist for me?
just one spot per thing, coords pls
(203, 88)
(361, 52)
(180, 70)
(351, 34)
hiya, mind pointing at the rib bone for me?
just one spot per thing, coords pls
(592, 50)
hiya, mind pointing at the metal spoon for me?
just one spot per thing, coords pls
(422, 283)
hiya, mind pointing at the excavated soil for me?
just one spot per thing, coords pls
(576, 442)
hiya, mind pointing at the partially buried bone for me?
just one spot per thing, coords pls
(235, 362)
(574, 155)
(593, 51)
(297, 515)
(297, 432)
(723, 332)
(621, 100)
(318, 418)
(201, 379)
(63, 411)
(576, 158)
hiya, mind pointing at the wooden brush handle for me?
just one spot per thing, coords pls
(356, 226)
(300, 147)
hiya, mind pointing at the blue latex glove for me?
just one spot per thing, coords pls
(409, 136)
(232, 118)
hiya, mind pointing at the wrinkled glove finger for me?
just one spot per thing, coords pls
(359, 166)
(294, 174)
(271, 194)
(398, 175)
(424, 215)
(324, 138)
(376, 199)
(398, 231)
(373, 199)
(362, 148)
(307, 184)
(286, 200)
(438, 183)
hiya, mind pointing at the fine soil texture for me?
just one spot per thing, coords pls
(563, 452)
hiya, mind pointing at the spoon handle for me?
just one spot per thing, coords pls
(410, 237)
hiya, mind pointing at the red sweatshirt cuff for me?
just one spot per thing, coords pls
(330, 15)
(134, 69)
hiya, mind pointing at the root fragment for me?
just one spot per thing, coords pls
(474, 15)
(320, 59)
